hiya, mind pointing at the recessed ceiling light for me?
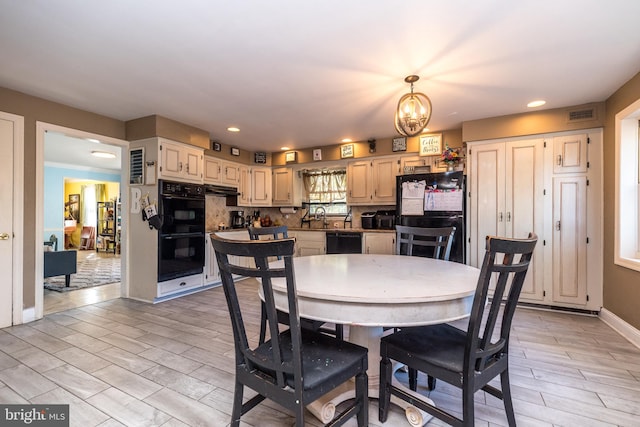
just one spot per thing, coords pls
(233, 129)
(284, 148)
(97, 141)
(537, 103)
(103, 154)
(347, 140)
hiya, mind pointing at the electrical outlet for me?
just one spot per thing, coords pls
(336, 224)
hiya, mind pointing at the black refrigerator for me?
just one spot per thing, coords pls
(433, 200)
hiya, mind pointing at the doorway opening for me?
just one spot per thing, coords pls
(81, 199)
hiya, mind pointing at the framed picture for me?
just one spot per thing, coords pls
(290, 156)
(260, 157)
(346, 151)
(235, 151)
(431, 145)
(72, 210)
(399, 144)
(216, 146)
(317, 154)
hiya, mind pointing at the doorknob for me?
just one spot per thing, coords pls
(4, 236)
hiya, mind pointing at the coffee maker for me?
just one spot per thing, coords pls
(237, 219)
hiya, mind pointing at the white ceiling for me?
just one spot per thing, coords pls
(309, 73)
(67, 151)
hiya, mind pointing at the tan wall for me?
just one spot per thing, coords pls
(452, 138)
(621, 285)
(531, 123)
(36, 109)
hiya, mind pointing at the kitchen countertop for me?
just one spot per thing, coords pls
(334, 230)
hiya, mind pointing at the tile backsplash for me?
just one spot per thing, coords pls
(219, 213)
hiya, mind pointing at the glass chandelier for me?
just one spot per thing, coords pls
(413, 112)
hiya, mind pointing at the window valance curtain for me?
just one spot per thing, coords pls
(325, 185)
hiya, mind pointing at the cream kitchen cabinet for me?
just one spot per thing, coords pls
(506, 198)
(180, 162)
(309, 242)
(254, 186)
(220, 172)
(212, 170)
(287, 187)
(211, 270)
(372, 182)
(379, 243)
(520, 185)
(570, 153)
(229, 173)
(244, 185)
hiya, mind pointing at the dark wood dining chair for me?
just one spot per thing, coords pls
(427, 242)
(278, 233)
(465, 359)
(295, 366)
(430, 242)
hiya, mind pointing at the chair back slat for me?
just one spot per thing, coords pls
(437, 242)
(508, 259)
(276, 364)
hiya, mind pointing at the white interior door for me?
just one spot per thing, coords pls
(7, 134)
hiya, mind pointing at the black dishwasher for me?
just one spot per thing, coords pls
(344, 242)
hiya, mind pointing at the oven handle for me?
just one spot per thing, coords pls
(169, 197)
(180, 235)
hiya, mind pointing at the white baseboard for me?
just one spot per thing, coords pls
(28, 315)
(620, 326)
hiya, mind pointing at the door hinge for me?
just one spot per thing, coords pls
(544, 192)
(544, 243)
(588, 165)
(587, 240)
(544, 293)
(587, 182)
(588, 140)
(469, 239)
(544, 144)
(587, 297)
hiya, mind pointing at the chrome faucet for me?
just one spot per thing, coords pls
(321, 213)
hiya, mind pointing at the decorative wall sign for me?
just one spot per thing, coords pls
(216, 146)
(290, 156)
(260, 157)
(346, 151)
(235, 151)
(399, 144)
(431, 145)
(317, 154)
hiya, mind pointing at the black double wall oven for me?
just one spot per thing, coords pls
(181, 239)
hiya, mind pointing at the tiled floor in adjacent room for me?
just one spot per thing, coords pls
(123, 362)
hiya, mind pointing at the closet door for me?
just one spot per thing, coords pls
(487, 202)
(569, 240)
(524, 205)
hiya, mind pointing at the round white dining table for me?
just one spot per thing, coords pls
(368, 292)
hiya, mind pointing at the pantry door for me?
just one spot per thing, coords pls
(10, 129)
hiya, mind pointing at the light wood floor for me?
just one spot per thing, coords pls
(122, 362)
(54, 301)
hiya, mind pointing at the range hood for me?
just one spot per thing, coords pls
(220, 190)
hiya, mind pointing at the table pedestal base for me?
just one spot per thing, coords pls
(325, 408)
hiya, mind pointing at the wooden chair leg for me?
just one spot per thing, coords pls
(506, 398)
(413, 379)
(467, 406)
(236, 412)
(362, 392)
(384, 399)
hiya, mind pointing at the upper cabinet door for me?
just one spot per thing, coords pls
(570, 153)
(212, 170)
(384, 180)
(359, 182)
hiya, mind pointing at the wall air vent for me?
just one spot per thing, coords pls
(136, 166)
(581, 115)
